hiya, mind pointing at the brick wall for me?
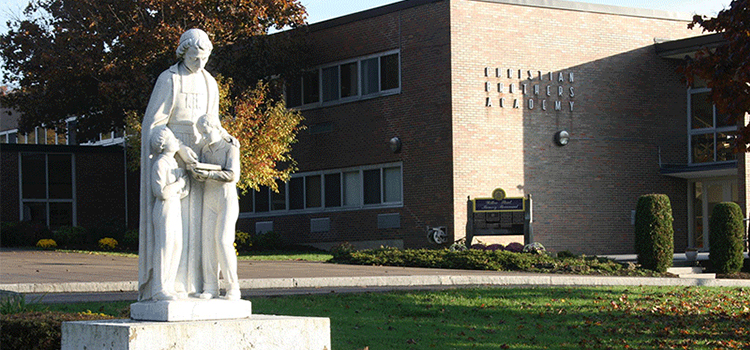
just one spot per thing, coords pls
(629, 105)
(419, 115)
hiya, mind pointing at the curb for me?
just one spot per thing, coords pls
(394, 281)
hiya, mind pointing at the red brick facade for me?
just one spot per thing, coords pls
(628, 114)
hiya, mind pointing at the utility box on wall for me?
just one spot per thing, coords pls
(499, 216)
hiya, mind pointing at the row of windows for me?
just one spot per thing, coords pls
(51, 136)
(330, 190)
(359, 78)
(711, 134)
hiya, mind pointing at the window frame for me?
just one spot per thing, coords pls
(713, 131)
(47, 201)
(355, 97)
(342, 201)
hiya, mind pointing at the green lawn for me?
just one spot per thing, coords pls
(520, 318)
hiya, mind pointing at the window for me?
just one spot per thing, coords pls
(711, 134)
(347, 189)
(47, 189)
(365, 77)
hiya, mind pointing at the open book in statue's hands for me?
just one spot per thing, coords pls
(206, 166)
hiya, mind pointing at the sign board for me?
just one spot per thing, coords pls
(494, 205)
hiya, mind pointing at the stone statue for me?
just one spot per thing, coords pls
(220, 206)
(169, 186)
(182, 94)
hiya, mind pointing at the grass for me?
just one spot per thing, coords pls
(518, 318)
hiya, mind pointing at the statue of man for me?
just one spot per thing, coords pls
(182, 94)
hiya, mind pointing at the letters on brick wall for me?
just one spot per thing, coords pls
(517, 88)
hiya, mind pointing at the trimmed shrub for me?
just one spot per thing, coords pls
(342, 251)
(654, 235)
(107, 244)
(46, 244)
(70, 236)
(494, 247)
(478, 246)
(22, 234)
(243, 241)
(514, 247)
(38, 330)
(267, 241)
(726, 235)
(130, 240)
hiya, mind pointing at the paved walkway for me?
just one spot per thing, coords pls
(75, 277)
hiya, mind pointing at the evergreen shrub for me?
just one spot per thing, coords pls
(38, 330)
(243, 241)
(70, 236)
(654, 235)
(726, 235)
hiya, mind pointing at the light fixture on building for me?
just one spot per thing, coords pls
(562, 137)
(395, 144)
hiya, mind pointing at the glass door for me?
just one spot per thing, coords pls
(706, 194)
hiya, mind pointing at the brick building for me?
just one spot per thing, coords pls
(470, 94)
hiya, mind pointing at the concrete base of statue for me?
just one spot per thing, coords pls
(191, 309)
(255, 332)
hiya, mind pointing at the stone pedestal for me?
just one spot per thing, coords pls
(261, 332)
(190, 310)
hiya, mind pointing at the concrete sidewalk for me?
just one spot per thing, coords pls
(40, 272)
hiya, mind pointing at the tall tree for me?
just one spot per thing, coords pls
(98, 60)
(726, 69)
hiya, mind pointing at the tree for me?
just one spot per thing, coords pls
(98, 60)
(726, 69)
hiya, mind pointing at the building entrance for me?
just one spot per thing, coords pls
(705, 195)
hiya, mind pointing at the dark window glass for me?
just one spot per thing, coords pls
(389, 72)
(725, 147)
(296, 193)
(333, 190)
(371, 184)
(35, 212)
(60, 214)
(701, 110)
(294, 92)
(369, 70)
(349, 79)
(311, 89)
(60, 176)
(34, 182)
(246, 201)
(312, 190)
(330, 84)
(262, 199)
(703, 148)
(278, 199)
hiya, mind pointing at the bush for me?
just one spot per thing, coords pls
(243, 241)
(46, 244)
(494, 247)
(342, 251)
(726, 235)
(70, 236)
(566, 254)
(654, 235)
(514, 247)
(130, 240)
(107, 244)
(38, 330)
(267, 241)
(22, 234)
(478, 246)
(534, 248)
(458, 247)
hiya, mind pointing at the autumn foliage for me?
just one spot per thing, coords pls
(725, 68)
(98, 60)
